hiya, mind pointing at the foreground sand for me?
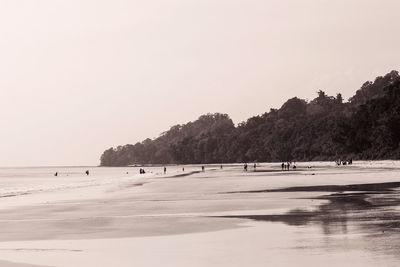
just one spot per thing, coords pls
(308, 217)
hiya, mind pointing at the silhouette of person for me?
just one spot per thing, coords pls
(165, 170)
(255, 166)
(56, 174)
(202, 168)
(221, 167)
(283, 166)
(87, 172)
(245, 167)
(183, 169)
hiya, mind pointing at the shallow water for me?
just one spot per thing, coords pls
(23, 180)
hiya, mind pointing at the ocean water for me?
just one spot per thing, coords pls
(22, 180)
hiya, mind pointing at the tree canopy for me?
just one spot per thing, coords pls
(325, 128)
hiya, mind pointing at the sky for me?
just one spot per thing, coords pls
(80, 76)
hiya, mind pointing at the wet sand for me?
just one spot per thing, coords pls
(326, 215)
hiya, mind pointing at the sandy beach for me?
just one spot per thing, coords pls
(326, 214)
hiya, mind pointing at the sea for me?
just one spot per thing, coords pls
(25, 180)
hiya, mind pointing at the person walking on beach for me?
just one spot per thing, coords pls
(283, 165)
(165, 170)
(87, 172)
(255, 166)
(202, 168)
(245, 167)
(56, 174)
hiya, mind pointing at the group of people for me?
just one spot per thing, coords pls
(344, 162)
(245, 167)
(286, 166)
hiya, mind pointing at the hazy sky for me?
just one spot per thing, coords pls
(80, 76)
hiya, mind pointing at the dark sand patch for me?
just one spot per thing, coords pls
(183, 174)
(188, 174)
(13, 195)
(389, 186)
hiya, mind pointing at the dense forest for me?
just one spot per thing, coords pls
(325, 128)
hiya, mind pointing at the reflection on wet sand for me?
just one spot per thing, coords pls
(367, 209)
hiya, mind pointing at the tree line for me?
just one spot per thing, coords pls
(325, 128)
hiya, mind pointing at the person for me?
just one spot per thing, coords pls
(288, 165)
(245, 167)
(183, 169)
(202, 168)
(221, 167)
(283, 165)
(87, 172)
(255, 166)
(165, 170)
(140, 170)
(56, 174)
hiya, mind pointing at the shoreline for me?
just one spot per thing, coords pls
(337, 203)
